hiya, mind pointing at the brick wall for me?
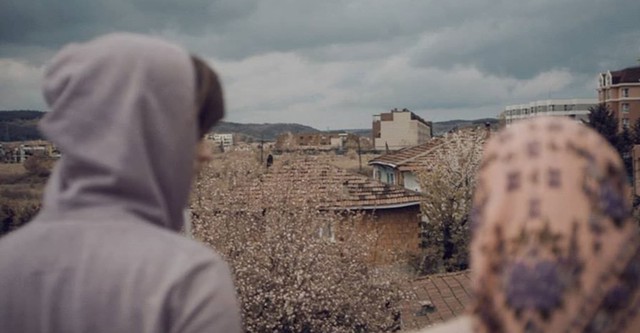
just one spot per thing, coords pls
(397, 233)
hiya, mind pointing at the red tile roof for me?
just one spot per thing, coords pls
(333, 188)
(416, 157)
(435, 298)
(400, 157)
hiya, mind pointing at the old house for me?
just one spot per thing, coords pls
(389, 211)
(402, 167)
(320, 141)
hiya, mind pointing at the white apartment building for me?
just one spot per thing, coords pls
(577, 108)
(224, 139)
(399, 129)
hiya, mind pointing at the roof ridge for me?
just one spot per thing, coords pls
(420, 154)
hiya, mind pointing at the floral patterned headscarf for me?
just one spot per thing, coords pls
(554, 246)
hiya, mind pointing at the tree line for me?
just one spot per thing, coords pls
(605, 122)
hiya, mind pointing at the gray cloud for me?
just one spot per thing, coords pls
(335, 63)
(53, 23)
(537, 36)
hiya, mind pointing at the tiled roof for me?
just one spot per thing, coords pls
(435, 298)
(406, 155)
(415, 157)
(627, 75)
(334, 187)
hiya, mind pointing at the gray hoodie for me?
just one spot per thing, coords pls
(104, 254)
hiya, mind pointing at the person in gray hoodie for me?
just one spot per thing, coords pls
(104, 253)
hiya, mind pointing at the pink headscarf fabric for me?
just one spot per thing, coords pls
(554, 247)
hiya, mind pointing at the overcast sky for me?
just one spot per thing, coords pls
(335, 63)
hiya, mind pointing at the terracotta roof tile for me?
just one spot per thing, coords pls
(337, 188)
(448, 295)
(405, 155)
(416, 157)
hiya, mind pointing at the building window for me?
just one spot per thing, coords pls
(625, 92)
(625, 122)
(625, 107)
(390, 178)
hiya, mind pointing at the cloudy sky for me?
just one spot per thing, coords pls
(335, 63)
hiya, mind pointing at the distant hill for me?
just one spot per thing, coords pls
(442, 127)
(439, 128)
(265, 131)
(20, 125)
(20, 115)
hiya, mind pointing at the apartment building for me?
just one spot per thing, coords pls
(620, 92)
(574, 108)
(224, 139)
(399, 129)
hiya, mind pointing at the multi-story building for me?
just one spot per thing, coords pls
(224, 139)
(573, 108)
(399, 129)
(620, 92)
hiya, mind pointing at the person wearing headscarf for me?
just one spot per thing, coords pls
(105, 254)
(554, 247)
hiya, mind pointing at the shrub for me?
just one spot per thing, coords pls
(39, 165)
(296, 268)
(16, 213)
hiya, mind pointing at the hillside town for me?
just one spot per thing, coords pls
(376, 199)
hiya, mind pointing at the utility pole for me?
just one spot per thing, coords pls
(261, 150)
(359, 155)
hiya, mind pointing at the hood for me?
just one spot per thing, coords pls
(123, 115)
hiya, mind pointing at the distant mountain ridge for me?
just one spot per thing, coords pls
(21, 125)
(442, 127)
(439, 127)
(264, 131)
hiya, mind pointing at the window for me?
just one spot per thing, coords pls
(390, 178)
(625, 92)
(625, 122)
(625, 107)
(327, 233)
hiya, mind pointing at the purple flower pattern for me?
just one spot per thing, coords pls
(612, 202)
(534, 286)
